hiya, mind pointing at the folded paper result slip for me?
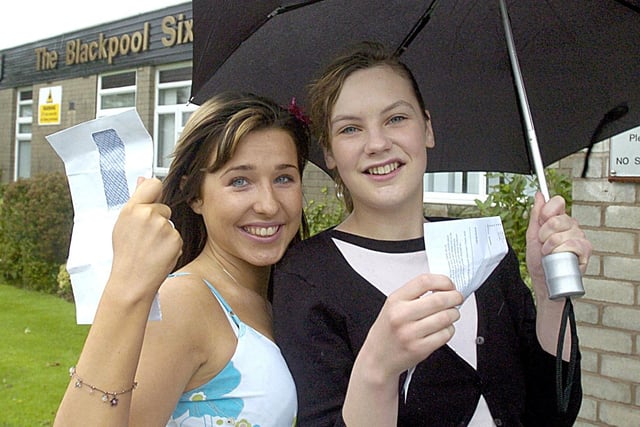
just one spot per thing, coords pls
(466, 250)
(103, 159)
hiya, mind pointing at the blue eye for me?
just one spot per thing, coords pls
(396, 119)
(349, 130)
(239, 182)
(284, 179)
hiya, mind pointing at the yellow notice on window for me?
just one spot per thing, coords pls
(49, 103)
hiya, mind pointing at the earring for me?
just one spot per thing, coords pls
(339, 190)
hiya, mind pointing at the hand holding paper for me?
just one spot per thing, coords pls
(103, 159)
(465, 250)
(147, 245)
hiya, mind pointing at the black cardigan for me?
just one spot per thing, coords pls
(323, 311)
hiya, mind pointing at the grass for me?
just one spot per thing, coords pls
(39, 341)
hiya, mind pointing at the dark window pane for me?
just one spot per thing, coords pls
(175, 75)
(26, 95)
(119, 80)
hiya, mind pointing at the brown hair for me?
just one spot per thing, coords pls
(324, 92)
(209, 140)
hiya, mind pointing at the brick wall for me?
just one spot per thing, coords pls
(145, 95)
(78, 105)
(608, 315)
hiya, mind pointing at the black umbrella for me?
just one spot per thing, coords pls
(580, 62)
(576, 74)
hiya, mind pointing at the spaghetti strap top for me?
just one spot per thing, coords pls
(254, 389)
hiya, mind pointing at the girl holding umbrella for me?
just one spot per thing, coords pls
(488, 360)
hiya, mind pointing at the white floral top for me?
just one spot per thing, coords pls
(255, 389)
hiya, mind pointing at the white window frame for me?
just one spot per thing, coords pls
(456, 198)
(176, 109)
(101, 112)
(22, 138)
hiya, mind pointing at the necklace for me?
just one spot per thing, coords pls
(232, 312)
(228, 274)
(233, 279)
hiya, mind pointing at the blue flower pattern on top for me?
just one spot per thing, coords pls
(216, 404)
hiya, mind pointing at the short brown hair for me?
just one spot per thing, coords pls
(324, 91)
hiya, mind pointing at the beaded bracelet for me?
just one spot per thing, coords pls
(107, 396)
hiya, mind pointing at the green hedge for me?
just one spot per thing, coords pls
(323, 213)
(36, 218)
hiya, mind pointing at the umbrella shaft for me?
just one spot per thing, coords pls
(532, 139)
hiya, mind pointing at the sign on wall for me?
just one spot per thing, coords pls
(49, 103)
(624, 156)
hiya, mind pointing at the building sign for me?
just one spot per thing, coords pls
(106, 48)
(175, 31)
(624, 156)
(49, 102)
(156, 37)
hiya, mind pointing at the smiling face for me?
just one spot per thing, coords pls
(252, 206)
(378, 139)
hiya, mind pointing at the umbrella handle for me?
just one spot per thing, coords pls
(563, 275)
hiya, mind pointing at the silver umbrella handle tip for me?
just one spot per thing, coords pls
(562, 272)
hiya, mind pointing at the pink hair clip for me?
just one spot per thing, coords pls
(297, 111)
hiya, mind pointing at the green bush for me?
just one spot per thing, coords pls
(324, 213)
(36, 218)
(64, 284)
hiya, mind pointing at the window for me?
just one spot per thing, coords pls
(116, 93)
(172, 111)
(24, 123)
(460, 188)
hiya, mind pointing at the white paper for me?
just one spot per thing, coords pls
(90, 252)
(465, 250)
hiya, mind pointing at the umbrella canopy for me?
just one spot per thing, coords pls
(580, 61)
